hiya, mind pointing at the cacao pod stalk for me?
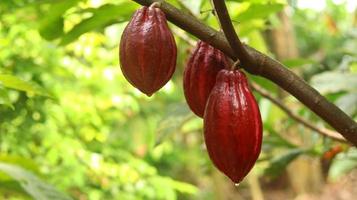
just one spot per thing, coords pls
(232, 125)
(148, 50)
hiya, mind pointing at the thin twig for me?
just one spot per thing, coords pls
(267, 67)
(230, 33)
(323, 131)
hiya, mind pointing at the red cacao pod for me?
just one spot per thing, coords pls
(232, 125)
(148, 50)
(200, 75)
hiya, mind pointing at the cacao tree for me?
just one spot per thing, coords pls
(152, 99)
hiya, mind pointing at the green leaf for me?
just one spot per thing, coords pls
(51, 25)
(5, 99)
(162, 187)
(257, 41)
(13, 82)
(12, 187)
(19, 161)
(255, 11)
(26, 163)
(165, 187)
(184, 187)
(297, 62)
(102, 16)
(34, 186)
(193, 6)
(279, 163)
(331, 82)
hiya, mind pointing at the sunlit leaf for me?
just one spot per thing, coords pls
(51, 26)
(255, 11)
(184, 187)
(166, 186)
(5, 99)
(193, 6)
(257, 41)
(12, 187)
(102, 16)
(297, 62)
(19, 161)
(34, 186)
(13, 82)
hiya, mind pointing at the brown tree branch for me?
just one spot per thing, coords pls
(264, 93)
(240, 51)
(266, 67)
(323, 131)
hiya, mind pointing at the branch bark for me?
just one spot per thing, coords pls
(264, 93)
(246, 60)
(267, 67)
(323, 131)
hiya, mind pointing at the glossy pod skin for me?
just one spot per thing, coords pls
(200, 75)
(232, 125)
(148, 50)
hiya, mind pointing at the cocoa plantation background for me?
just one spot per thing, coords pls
(72, 127)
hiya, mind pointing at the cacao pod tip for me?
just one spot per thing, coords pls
(148, 94)
(147, 91)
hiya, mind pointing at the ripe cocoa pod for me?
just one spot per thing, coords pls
(232, 125)
(200, 75)
(148, 50)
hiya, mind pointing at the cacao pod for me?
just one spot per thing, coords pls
(232, 125)
(148, 50)
(200, 75)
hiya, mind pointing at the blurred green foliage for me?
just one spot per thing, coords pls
(68, 117)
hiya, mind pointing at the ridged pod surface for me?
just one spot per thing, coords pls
(148, 50)
(200, 75)
(232, 125)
